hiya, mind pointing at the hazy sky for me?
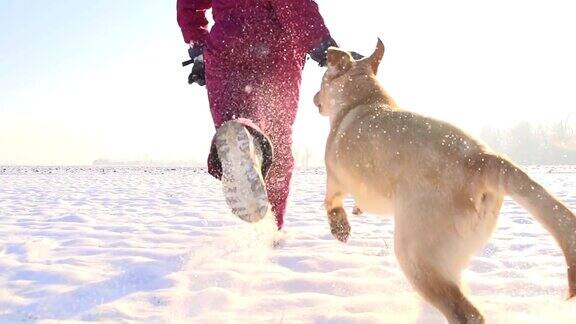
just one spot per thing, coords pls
(82, 80)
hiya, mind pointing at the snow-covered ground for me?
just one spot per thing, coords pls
(158, 245)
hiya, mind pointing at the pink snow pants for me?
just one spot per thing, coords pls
(259, 83)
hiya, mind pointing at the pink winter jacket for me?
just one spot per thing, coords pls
(299, 21)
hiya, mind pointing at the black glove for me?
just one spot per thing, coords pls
(357, 56)
(320, 53)
(197, 58)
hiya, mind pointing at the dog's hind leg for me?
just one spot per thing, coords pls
(444, 294)
(339, 226)
(432, 266)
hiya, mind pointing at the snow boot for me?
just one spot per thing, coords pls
(242, 181)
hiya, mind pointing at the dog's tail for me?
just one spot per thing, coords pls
(505, 177)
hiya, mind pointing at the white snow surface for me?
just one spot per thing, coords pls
(159, 245)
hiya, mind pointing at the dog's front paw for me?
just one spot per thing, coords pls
(339, 225)
(341, 231)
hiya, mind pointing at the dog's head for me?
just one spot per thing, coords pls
(343, 78)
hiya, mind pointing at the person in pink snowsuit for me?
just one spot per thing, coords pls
(254, 55)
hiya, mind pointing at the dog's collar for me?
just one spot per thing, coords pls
(344, 111)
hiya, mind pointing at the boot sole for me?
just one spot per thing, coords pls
(242, 181)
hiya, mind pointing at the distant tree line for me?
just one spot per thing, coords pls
(532, 144)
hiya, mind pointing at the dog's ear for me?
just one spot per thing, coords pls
(377, 56)
(339, 59)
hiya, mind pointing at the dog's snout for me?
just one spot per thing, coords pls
(317, 100)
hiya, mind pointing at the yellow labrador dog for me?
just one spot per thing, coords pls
(444, 187)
